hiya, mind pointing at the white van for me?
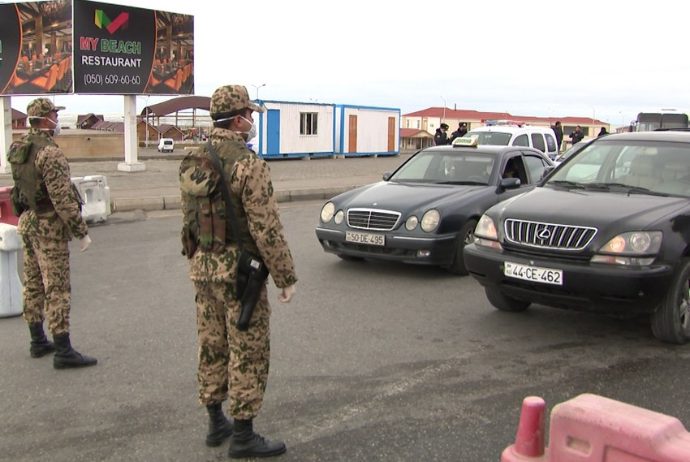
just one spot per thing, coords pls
(166, 145)
(514, 134)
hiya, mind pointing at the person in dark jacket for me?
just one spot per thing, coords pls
(577, 135)
(558, 131)
(603, 132)
(460, 132)
(441, 138)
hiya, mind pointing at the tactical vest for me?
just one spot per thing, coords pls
(29, 190)
(207, 225)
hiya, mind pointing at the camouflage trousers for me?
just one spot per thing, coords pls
(231, 361)
(46, 282)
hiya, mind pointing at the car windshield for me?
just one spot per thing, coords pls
(647, 167)
(447, 167)
(574, 149)
(491, 138)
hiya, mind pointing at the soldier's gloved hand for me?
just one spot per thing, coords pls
(84, 243)
(286, 294)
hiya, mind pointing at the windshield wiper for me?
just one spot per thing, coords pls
(567, 184)
(630, 188)
(462, 182)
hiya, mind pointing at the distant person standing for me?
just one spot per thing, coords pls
(441, 138)
(577, 135)
(460, 132)
(49, 215)
(558, 131)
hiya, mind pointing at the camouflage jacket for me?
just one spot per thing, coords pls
(249, 179)
(65, 219)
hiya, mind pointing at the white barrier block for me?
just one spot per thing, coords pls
(95, 192)
(10, 284)
(9, 237)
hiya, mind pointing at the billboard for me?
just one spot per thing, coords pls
(36, 46)
(87, 47)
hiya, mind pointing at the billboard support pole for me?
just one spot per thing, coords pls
(5, 132)
(131, 163)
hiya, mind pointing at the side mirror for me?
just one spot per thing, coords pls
(387, 176)
(510, 183)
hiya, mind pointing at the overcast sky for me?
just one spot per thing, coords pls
(608, 59)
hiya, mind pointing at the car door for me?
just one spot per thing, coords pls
(551, 148)
(535, 166)
(538, 142)
(514, 159)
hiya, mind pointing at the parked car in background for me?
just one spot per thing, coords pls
(166, 145)
(607, 231)
(426, 211)
(516, 133)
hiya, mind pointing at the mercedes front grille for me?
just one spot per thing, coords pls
(372, 219)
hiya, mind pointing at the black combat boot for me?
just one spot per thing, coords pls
(245, 443)
(66, 357)
(219, 427)
(40, 345)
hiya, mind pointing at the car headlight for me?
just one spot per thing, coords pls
(636, 248)
(485, 233)
(327, 212)
(486, 228)
(411, 223)
(430, 220)
(339, 217)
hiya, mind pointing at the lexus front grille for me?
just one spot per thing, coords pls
(372, 219)
(549, 235)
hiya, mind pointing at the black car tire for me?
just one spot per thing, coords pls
(671, 320)
(349, 258)
(502, 302)
(465, 236)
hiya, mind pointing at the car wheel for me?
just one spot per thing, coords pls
(504, 303)
(465, 236)
(349, 258)
(671, 320)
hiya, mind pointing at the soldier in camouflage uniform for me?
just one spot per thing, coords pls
(232, 361)
(49, 215)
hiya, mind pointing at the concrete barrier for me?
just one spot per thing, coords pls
(591, 428)
(10, 284)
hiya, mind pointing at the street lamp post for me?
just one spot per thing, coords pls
(257, 89)
(444, 109)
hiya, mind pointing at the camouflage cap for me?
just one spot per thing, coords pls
(229, 98)
(41, 106)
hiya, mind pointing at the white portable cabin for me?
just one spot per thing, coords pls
(367, 131)
(289, 129)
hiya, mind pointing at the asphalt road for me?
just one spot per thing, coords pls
(370, 362)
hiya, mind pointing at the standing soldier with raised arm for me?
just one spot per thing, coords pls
(233, 359)
(49, 211)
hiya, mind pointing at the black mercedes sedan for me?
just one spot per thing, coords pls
(607, 231)
(425, 212)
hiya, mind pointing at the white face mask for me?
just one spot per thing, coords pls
(251, 134)
(56, 130)
(56, 126)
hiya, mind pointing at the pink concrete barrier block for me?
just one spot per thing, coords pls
(591, 428)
